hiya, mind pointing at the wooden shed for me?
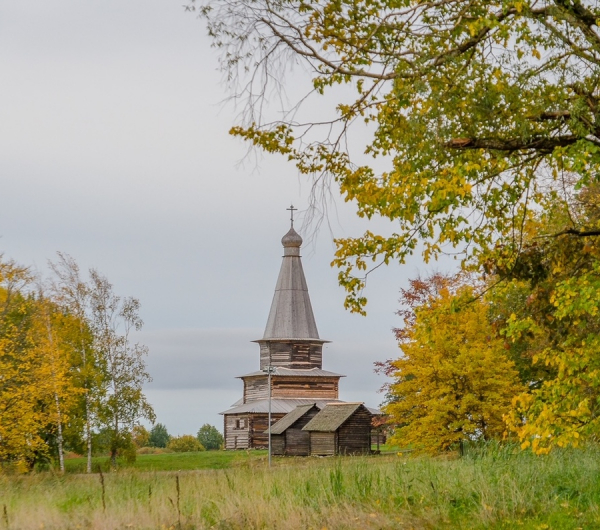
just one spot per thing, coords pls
(340, 429)
(287, 436)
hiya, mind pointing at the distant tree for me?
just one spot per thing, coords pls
(185, 444)
(140, 436)
(210, 437)
(159, 436)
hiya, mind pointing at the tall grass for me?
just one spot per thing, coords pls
(497, 487)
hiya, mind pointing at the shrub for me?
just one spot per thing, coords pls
(185, 444)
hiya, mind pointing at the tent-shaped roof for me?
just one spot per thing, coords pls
(332, 416)
(289, 419)
(291, 315)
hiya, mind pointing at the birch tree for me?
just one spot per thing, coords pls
(72, 292)
(113, 320)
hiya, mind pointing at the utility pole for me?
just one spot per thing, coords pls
(269, 370)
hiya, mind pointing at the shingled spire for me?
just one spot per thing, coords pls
(291, 315)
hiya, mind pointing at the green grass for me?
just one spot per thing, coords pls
(171, 461)
(498, 488)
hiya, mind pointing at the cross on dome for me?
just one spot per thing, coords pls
(291, 209)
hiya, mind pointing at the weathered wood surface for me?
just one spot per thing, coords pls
(354, 436)
(297, 441)
(305, 387)
(236, 437)
(298, 387)
(278, 444)
(259, 423)
(287, 354)
(323, 443)
(255, 388)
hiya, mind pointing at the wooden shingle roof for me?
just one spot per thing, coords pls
(332, 416)
(289, 419)
(291, 315)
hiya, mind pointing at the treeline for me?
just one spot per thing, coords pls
(510, 351)
(71, 375)
(208, 438)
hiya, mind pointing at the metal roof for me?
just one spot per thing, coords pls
(278, 406)
(284, 405)
(280, 371)
(291, 314)
(290, 418)
(332, 416)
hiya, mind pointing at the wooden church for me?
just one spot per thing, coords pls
(291, 346)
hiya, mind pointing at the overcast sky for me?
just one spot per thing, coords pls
(115, 150)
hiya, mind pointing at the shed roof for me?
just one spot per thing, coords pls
(289, 419)
(332, 416)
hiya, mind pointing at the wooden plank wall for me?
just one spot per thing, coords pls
(354, 436)
(255, 388)
(291, 354)
(277, 444)
(297, 441)
(236, 438)
(322, 443)
(305, 387)
(259, 439)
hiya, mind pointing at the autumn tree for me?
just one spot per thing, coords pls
(140, 436)
(554, 323)
(470, 107)
(453, 381)
(123, 403)
(185, 443)
(70, 290)
(24, 375)
(55, 334)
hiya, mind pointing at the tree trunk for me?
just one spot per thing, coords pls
(61, 455)
(88, 433)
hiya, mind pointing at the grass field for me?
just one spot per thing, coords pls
(497, 488)
(172, 461)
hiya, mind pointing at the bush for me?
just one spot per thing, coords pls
(210, 437)
(185, 444)
(140, 436)
(153, 451)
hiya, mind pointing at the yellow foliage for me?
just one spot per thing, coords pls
(454, 380)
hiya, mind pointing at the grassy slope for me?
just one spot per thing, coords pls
(500, 488)
(172, 461)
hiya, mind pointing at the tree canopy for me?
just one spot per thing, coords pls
(454, 381)
(67, 374)
(478, 112)
(209, 436)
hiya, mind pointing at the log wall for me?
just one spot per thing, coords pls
(354, 435)
(297, 441)
(305, 387)
(298, 387)
(259, 439)
(255, 388)
(236, 437)
(278, 444)
(296, 355)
